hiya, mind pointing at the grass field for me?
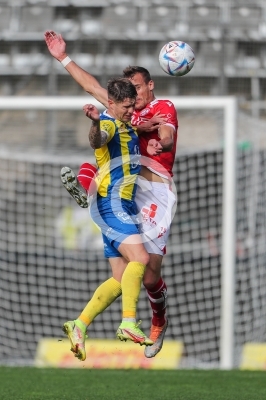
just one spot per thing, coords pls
(18, 383)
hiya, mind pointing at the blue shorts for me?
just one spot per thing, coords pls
(117, 218)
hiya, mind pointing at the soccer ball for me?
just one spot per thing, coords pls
(176, 58)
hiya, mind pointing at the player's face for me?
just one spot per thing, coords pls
(144, 90)
(122, 111)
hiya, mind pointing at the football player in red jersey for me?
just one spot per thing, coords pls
(157, 124)
(155, 198)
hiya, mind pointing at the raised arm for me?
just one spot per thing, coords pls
(57, 47)
(97, 138)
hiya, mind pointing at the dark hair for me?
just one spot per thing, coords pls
(120, 89)
(130, 71)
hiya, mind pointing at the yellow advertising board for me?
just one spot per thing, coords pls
(106, 354)
(254, 356)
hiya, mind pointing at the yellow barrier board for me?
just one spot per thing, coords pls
(254, 356)
(106, 354)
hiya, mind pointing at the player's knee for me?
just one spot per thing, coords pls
(149, 283)
(150, 279)
(139, 257)
(143, 258)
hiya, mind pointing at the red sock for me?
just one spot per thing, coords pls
(86, 177)
(157, 297)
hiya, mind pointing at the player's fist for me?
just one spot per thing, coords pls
(91, 112)
(154, 147)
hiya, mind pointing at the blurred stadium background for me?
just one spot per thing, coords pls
(51, 256)
(228, 38)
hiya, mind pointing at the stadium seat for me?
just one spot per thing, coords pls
(37, 2)
(4, 60)
(204, 16)
(84, 60)
(119, 61)
(118, 20)
(65, 25)
(58, 3)
(210, 57)
(91, 27)
(164, 3)
(247, 62)
(161, 18)
(5, 15)
(20, 60)
(145, 60)
(36, 19)
(98, 3)
(116, 62)
(245, 16)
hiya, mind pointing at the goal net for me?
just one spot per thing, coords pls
(51, 256)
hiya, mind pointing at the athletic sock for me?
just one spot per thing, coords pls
(131, 285)
(86, 177)
(103, 296)
(157, 297)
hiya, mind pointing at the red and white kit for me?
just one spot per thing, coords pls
(156, 201)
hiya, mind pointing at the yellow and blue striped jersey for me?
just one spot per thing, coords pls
(118, 160)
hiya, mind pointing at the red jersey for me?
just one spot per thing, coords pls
(163, 164)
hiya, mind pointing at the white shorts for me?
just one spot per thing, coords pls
(156, 203)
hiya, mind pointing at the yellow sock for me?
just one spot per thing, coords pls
(131, 285)
(103, 296)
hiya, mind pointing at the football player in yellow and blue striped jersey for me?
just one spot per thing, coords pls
(119, 160)
(113, 209)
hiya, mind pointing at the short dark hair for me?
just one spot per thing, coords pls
(130, 71)
(120, 89)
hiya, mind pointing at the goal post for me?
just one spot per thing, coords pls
(229, 238)
(208, 140)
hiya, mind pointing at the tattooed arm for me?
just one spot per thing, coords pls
(97, 138)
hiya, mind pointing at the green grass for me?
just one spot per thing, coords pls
(84, 384)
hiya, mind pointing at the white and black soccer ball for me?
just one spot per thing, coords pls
(176, 58)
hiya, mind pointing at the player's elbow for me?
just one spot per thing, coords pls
(95, 144)
(170, 146)
(167, 145)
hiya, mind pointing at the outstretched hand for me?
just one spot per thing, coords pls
(91, 112)
(154, 147)
(56, 45)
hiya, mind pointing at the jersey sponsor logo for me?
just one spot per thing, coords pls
(144, 112)
(162, 232)
(105, 126)
(148, 221)
(123, 216)
(150, 212)
(108, 232)
(148, 215)
(136, 160)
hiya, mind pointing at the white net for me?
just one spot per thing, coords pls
(51, 254)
